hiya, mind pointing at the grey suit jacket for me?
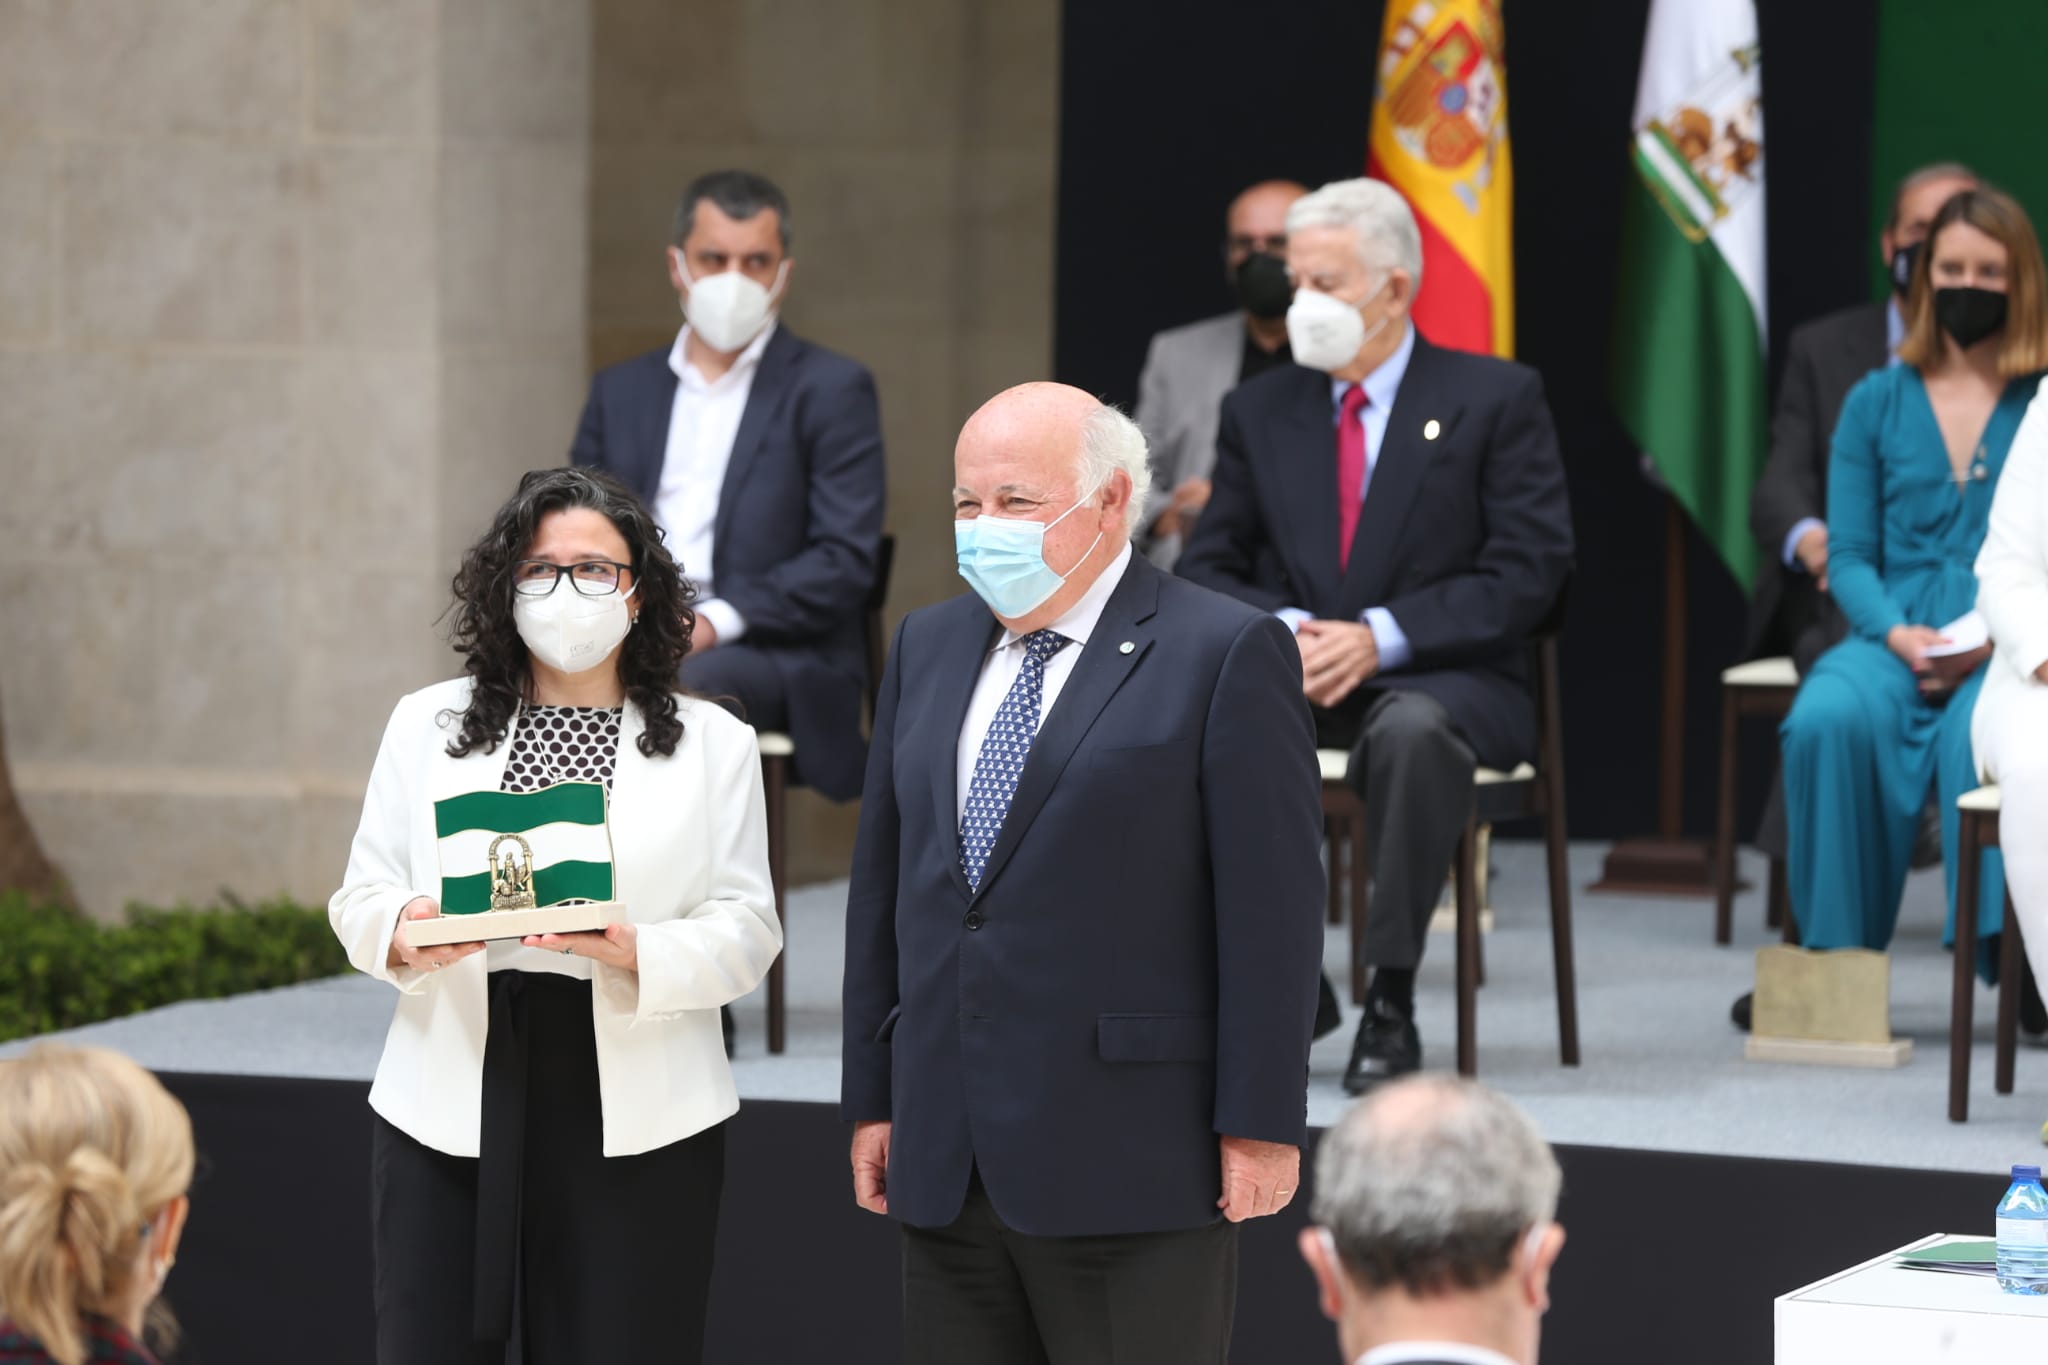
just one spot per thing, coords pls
(1180, 393)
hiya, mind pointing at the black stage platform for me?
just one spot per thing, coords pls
(1672, 1257)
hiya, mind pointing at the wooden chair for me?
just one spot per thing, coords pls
(778, 754)
(1979, 831)
(1761, 687)
(1529, 792)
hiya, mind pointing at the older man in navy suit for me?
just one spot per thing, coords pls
(1084, 927)
(1403, 509)
(761, 455)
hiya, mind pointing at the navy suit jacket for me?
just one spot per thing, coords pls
(1137, 974)
(1465, 536)
(799, 523)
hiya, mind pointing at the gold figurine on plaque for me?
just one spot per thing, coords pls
(512, 879)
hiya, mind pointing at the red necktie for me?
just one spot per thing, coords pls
(1350, 469)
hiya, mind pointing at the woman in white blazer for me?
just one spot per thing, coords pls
(547, 1152)
(2010, 729)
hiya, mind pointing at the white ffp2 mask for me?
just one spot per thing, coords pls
(727, 309)
(1324, 332)
(570, 632)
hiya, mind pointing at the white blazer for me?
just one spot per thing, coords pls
(2012, 583)
(690, 854)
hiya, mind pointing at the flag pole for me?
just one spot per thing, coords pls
(1667, 864)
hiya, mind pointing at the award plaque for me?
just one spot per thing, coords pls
(520, 863)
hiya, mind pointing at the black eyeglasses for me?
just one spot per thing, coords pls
(592, 577)
(1275, 245)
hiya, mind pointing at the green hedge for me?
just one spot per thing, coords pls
(59, 969)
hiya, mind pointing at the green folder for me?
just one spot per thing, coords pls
(1956, 1258)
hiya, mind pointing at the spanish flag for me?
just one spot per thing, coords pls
(1440, 136)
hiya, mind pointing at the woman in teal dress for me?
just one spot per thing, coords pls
(1885, 715)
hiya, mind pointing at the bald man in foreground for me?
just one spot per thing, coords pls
(1084, 931)
(1188, 369)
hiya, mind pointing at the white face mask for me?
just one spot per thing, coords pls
(1324, 332)
(727, 309)
(570, 632)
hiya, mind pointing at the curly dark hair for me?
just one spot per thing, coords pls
(486, 636)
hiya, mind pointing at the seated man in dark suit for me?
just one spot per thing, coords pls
(761, 455)
(1403, 508)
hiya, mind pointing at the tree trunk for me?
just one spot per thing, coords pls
(23, 864)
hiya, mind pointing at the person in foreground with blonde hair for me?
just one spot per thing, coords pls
(95, 1160)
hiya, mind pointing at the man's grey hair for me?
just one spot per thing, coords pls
(739, 195)
(1111, 441)
(1387, 236)
(1431, 1183)
(1914, 179)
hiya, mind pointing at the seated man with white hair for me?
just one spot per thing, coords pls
(1402, 507)
(1435, 1230)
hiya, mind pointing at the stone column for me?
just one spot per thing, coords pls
(290, 293)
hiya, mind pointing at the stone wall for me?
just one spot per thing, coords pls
(290, 291)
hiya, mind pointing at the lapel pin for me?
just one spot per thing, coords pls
(1432, 429)
(1125, 648)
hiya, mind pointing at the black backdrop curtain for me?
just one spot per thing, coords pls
(1168, 110)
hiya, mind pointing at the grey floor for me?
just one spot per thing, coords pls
(1663, 1068)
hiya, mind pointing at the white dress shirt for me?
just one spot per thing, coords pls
(1381, 388)
(701, 428)
(1450, 1351)
(999, 670)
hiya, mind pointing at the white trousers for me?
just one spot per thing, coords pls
(2011, 736)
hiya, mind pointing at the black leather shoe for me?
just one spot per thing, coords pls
(1329, 1015)
(1741, 1010)
(725, 1023)
(2033, 1012)
(1387, 1046)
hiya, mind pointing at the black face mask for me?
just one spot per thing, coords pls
(1263, 289)
(1969, 314)
(1902, 267)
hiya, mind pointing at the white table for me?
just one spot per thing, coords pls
(1881, 1314)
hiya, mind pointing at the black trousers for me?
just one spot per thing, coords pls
(1414, 772)
(744, 679)
(609, 1257)
(978, 1293)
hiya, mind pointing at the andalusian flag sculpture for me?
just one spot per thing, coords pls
(519, 863)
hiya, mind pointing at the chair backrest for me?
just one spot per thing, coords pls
(871, 620)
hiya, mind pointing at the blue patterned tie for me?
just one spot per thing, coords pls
(1003, 751)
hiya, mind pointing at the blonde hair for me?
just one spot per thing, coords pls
(92, 1148)
(2024, 347)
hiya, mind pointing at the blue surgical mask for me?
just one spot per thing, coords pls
(1003, 559)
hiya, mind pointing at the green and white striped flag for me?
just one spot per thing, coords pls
(564, 824)
(1689, 334)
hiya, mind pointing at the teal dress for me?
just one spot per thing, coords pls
(1862, 747)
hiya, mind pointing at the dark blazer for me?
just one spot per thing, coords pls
(799, 523)
(105, 1344)
(1823, 361)
(1137, 974)
(1466, 537)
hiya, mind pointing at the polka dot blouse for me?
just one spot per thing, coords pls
(553, 744)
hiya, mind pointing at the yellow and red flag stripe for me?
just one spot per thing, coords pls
(1440, 136)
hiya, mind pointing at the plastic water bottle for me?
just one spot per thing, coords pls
(2023, 1234)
